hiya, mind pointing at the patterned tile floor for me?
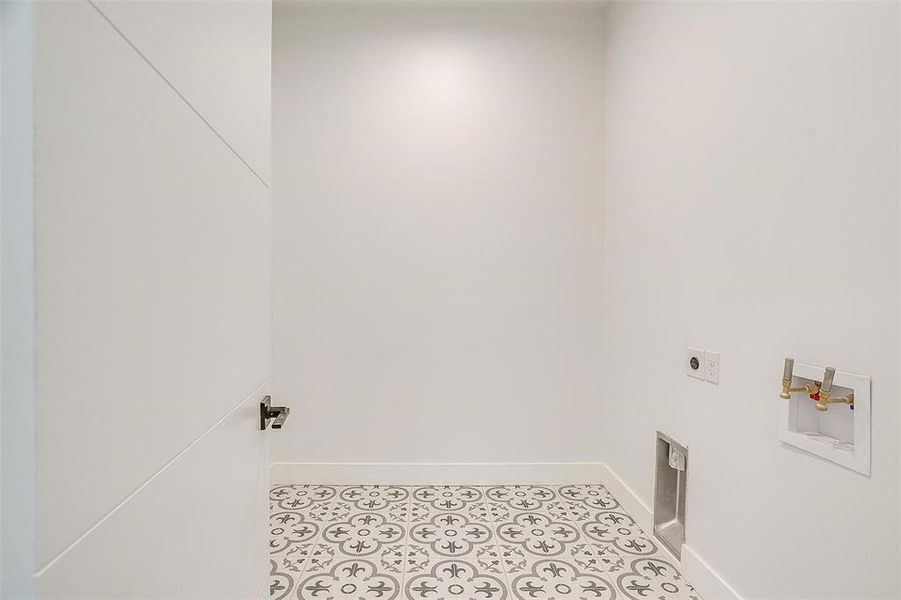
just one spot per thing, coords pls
(460, 542)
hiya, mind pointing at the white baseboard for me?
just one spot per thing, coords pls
(634, 505)
(704, 579)
(695, 569)
(436, 473)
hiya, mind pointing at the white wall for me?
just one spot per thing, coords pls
(752, 198)
(437, 232)
(153, 303)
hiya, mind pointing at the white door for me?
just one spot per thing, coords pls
(153, 297)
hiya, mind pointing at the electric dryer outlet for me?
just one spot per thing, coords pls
(702, 364)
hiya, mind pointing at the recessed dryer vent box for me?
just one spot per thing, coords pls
(840, 434)
(669, 493)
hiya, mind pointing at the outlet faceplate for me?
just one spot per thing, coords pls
(694, 363)
(712, 366)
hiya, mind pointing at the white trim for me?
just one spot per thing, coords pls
(629, 500)
(17, 301)
(264, 588)
(436, 473)
(696, 570)
(699, 573)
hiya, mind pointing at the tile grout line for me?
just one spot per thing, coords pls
(497, 544)
(627, 559)
(146, 483)
(571, 509)
(403, 570)
(595, 546)
(313, 545)
(175, 89)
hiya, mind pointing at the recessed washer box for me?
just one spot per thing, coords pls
(840, 434)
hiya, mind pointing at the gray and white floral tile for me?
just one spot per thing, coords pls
(557, 579)
(452, 526)
(618, 529)
(447, 498)
(456, 578)
(371, 498)
(592, 556)
(655, 577)
(590, 496)
(462, 542)
(350, 579)
(525, 498)
(363, 534)
(300, 497)
(538, 534)
(451, 534)
(288, 529)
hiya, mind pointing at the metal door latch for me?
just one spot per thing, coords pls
(269, 412)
